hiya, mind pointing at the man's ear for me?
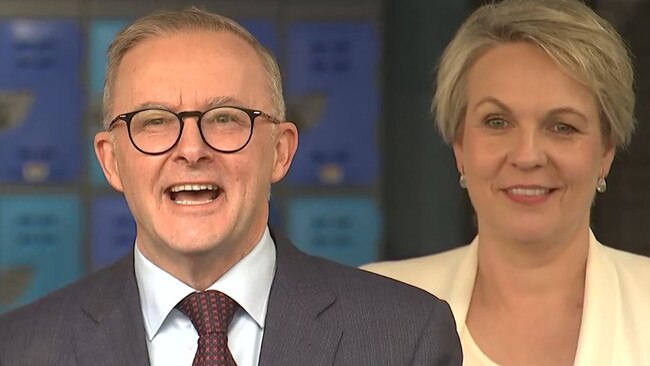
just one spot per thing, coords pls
(105, 151)
(285, 145)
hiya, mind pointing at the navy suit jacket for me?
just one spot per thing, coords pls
(319, 313)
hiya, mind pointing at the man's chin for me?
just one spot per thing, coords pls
(194, 249)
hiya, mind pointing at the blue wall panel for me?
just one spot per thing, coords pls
(96, 173)
(328, 55)
(112, 232)
(40, 102)
(100, 36)
(265, 32)
(39, 51)
(39, 246)
(343, 229)
(334, 97)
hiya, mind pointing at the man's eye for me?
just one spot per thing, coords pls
(496, 123)
(223, 118)
(155, 121)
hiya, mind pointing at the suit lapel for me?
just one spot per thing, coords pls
(295, 332)
(113, 331)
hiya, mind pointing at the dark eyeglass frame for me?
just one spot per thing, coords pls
(252, 114)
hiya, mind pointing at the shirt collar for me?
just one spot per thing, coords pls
(248, 282)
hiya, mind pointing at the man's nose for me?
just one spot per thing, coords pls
(191, 147)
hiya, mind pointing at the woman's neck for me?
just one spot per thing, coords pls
(526, 307)
(509, 270)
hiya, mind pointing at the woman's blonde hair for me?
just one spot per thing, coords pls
(581, 43)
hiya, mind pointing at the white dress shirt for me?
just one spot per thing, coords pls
(171, 337)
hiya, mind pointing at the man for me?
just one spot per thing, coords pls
(194, 138)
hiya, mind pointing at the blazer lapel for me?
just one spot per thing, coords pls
(113, 332)
(294, 333)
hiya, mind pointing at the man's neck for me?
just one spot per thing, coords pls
(199, 270)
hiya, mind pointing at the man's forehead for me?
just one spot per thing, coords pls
(207, 78)
(204, 39)
(202, 105)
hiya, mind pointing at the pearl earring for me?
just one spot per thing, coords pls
(601, 185)
(462, 182)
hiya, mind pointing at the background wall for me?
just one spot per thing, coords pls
(372, 179)
(424, 209)
(59, 220)
(621, 215)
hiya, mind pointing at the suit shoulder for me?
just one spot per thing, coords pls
(421, 271)
(41, 319)
(50, 312)
(364, 286)
(633, 268)
(628, 257)
(373, 308)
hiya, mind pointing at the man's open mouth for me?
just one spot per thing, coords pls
(193, 194)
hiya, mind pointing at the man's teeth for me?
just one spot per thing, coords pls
(192, 187)
(190, 199)
(189, 203)
(528, 191)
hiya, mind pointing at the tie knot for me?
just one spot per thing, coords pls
(209, 311)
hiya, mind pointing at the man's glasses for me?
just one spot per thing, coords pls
(225, 129)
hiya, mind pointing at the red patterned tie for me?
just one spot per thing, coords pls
(211, 313)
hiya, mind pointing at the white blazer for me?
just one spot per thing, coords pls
(615, 326)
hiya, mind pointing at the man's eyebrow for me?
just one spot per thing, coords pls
(152, 105)
(221, 101)
(210, 103)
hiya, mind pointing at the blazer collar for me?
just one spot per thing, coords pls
(601, 308)
(300, 294)
(460, 289)
(114, 333)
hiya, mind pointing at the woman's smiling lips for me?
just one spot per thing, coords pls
(528, 194)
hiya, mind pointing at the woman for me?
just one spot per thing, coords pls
(535, 96)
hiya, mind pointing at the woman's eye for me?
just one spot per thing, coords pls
(496, 123)
(563, 128)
